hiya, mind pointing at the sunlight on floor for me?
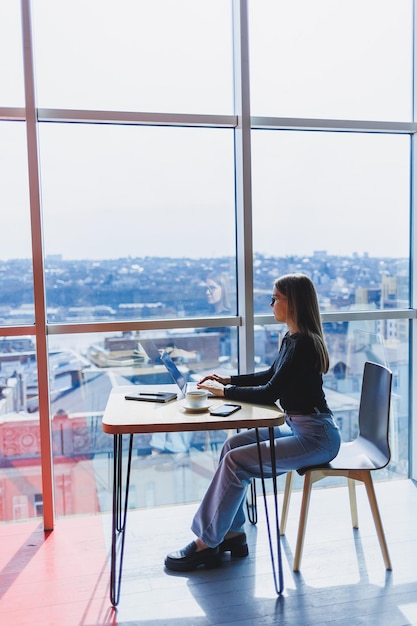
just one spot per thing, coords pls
(409, 611)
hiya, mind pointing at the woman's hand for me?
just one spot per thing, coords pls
(214, 383)
(217, 389)
(216, 378)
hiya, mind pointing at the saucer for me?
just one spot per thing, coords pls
(198, 409)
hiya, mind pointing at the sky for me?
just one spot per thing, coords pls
(111, 192)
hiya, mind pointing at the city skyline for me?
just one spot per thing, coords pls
(153, 288)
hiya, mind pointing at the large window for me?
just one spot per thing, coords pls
(11, 73)
(350, 59)
(135, 55)
(16, 294)
(329, 204)
(172, 164)
(140, 217)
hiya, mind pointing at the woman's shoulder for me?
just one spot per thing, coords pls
(301, 341)
(300, 337)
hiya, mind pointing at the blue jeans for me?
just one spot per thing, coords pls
(303, 440)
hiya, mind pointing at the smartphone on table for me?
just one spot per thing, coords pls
(225, 409)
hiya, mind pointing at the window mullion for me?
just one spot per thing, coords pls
(38, 271)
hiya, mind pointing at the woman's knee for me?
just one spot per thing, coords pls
(225, 448)
(232, 442)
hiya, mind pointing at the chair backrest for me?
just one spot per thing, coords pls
(374, 408)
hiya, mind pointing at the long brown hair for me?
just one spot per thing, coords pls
(303, 307)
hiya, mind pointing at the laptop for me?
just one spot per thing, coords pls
(177, 376)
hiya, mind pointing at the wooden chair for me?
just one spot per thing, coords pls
(356, 459)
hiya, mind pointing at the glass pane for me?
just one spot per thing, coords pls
(20, 469)
(85, 369)
(326, 59)
(135, 55)
(11, 68)
(323, 204)
(136, 233)
(350, 344)
(16, 295)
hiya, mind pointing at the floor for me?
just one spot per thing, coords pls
(62, 578)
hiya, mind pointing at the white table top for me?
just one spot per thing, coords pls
(128, 416)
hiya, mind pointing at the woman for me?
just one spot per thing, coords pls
(218, 296)
(218, 293)
(309, 436)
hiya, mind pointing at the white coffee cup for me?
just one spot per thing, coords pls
(196, 399)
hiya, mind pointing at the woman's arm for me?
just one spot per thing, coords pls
(216, 384)
(293, 365)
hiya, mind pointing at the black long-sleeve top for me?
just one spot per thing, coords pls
(293, 379)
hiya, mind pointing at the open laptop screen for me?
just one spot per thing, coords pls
(175, 373)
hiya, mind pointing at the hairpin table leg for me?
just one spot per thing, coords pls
(119, 514)
(279, 586)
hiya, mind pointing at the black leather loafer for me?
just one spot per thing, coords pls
(237, 546)
(188, 558)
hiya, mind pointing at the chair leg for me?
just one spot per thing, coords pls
(251, 504)
(308, 481)
(353, 503)
(286, 501)
(367, 479)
